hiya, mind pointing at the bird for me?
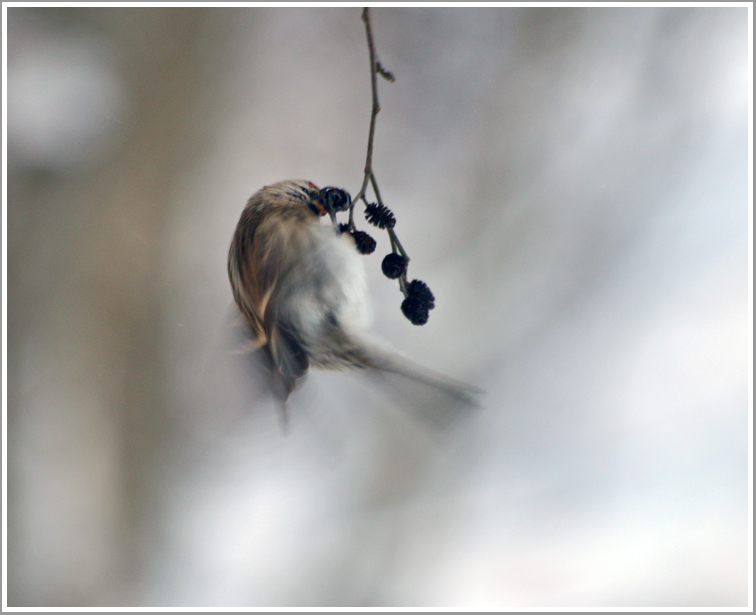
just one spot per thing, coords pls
(301, 289)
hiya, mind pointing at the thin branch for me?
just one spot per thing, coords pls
(374, 113)
(376, 68)
(418, 299)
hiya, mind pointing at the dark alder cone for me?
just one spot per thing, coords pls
(415, 311)
(393, 265)
(365, 243)
(335, 198)
(380, 216)
(421, 293)
(419, 301)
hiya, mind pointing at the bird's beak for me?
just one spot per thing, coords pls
(324, 209)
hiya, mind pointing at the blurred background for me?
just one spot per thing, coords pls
(571, 183)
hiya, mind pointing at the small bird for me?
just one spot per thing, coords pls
(301, 288)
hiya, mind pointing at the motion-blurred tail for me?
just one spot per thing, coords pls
(433, 398)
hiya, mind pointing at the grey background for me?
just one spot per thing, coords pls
(571, 183)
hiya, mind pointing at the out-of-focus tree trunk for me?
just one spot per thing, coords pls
(88, 414)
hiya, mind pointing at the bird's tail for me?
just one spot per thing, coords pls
(432, 397)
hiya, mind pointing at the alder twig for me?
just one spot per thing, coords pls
(376, 68)
(418, 299)
(373, 114)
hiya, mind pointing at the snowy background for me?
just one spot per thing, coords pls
(571, 183)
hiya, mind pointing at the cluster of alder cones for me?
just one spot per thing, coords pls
(418, 298)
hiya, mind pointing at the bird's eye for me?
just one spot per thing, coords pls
(335, 198)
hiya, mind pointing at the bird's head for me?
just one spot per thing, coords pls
(320, 201)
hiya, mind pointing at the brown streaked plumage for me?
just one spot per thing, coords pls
(301, 289)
